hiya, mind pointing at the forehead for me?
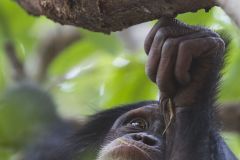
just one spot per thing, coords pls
(147, 108)
(146, 111)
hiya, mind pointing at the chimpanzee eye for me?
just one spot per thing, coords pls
(138, 123)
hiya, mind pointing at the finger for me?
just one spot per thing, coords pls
(183, 64)
(156, 49)
(165, 75)
(166, 79)
(155, 53)
(181, 28)
(189, 49)
(150, 37)
(203, 72)
(163, 22)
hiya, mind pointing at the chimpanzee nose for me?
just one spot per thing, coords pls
(145, 138)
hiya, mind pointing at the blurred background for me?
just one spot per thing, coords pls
(46, 67)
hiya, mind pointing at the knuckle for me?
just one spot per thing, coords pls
(161, 85)
(185, 46)
(150, 73)
(220, 42)
(161, 33)
(217, 44)
(172, 42)
(147, 44)
(169, 44)
(178, 73)
(208, 32)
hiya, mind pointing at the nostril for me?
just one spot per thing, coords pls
(137, 137)
(146, 139)
(149, 141)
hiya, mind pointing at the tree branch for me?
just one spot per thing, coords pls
(16, 64)
(51, 45)
(110, 15)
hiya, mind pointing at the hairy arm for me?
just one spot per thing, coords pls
(184, 61)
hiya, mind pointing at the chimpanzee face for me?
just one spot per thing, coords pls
(136, 135)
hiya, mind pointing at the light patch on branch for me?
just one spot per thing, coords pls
(231, 7)
(51, 46)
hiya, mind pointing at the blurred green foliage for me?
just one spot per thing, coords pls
(96, 72)
(17, 114)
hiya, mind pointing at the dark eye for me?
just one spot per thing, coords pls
(138, 123)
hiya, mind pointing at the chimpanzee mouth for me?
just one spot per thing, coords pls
(122, 150)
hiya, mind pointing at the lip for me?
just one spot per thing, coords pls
(125, 150)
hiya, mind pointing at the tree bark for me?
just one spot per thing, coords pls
(110, 15)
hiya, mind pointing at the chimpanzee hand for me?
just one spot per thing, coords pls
(183, 59)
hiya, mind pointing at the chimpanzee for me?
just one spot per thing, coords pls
(184, 61)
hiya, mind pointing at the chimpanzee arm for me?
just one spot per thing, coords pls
(185, 62)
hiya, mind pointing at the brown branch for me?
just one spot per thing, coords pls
(16, 64)
(31, 6)
(51, 46)
(110, 15)
(229, 114)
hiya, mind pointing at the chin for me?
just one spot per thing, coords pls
(122, 150)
